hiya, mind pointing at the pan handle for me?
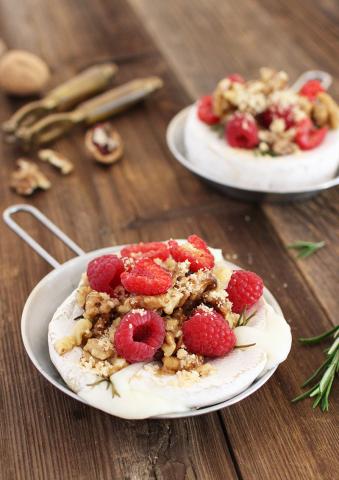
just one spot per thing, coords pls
(324, 78)
(7, 217)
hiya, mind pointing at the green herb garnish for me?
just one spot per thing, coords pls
(218, 128)
(109, 384)
(326, 372)
(244, 319)
(305, 249)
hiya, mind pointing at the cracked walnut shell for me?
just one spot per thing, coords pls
(104, 143)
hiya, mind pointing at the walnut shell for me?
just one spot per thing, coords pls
(109, 137)
(22, 73)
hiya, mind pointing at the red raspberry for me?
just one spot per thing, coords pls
(147, 278)
(104, 273)
(242, 131)
(244, 289)
(277, 111)
(139, 335)
(205, 111)
(195, 250)
(146, 250)
(208, 334)
(308, 136)
(236, 78)
(311, 89)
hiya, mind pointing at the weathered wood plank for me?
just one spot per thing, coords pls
(44, 433)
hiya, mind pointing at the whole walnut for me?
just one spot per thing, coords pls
(22, 73)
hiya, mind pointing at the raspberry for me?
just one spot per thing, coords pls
(195, 250)
(277, 111)
(205, 111)
(146, 278)
(311, 89)
(242, 131)
(104, 273)
(236, 78)
(244, 289)
(307, 136)
(139, 335)
(208, 334)
(146, 250)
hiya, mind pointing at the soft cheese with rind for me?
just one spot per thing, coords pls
(142, 393)
(212, 156)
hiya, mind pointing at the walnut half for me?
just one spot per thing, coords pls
(28, 178)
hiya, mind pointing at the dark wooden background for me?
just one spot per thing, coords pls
(148, 196)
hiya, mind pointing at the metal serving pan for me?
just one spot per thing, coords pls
(55, 287)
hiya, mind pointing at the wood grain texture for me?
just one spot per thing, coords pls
(148, 196)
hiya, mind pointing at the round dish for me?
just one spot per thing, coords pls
(176, 143)
(205, 149)
(41, 307)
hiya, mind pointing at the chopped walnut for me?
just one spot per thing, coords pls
(284, 146)
(100, 325)
(169, 344)
(172, 325)
(28, 178)
(104, 368)
(325, 111)
(98, 303)
(83, 290)
(170, 364)
(279, 141)
(80, 330)
(273, 80)
(57, 160)
(100, 348)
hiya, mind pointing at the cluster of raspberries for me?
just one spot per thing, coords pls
(141, 333)
(242, 129)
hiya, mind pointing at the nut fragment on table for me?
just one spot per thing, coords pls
(22, 73)
(57, 160)
(28, 178)
(104, 143)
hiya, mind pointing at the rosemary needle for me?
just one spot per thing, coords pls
(305, 249)
(328, 370)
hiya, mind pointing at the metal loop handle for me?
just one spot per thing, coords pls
(7, 216)
(324, 78)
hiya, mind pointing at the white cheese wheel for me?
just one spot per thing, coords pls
(243, 169)
(144, 393)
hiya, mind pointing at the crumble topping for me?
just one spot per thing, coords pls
(271, 113)
(94, 332)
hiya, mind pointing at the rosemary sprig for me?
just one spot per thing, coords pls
(245, 346)
(244, 319)
(218, 128)
(326, 372)
(109, 384)
(305, 249)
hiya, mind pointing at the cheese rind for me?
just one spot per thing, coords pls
(241, 168)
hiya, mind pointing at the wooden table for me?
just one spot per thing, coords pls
(148, 196)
